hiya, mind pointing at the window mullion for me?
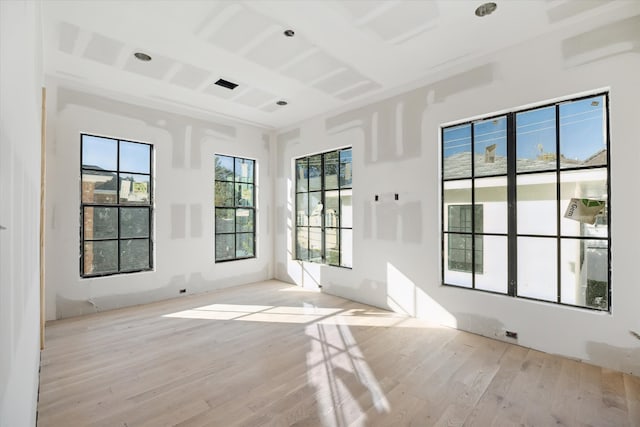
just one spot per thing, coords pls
(473, 207)
(558, 213)
(512, 220)
(323, 229)
(118, 202)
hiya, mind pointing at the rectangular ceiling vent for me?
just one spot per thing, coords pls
(227, 84)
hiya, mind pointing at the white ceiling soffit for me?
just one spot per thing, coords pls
(343, 52)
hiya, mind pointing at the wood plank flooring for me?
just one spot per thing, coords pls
(270, 354)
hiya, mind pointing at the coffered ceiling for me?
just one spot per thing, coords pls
(342, 52)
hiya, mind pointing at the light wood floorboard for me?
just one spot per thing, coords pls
(270, 354)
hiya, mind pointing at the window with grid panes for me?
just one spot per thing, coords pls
(324, 208)
(116, 206)
(538, 182)
(235, 213)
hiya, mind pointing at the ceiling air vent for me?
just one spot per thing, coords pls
(227, 84)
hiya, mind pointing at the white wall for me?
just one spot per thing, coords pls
(396, 149)
(20, 104)
(184, 149)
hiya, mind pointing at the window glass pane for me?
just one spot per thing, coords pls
(455, 193)
(100, 223)
(460, 253)
(99, 187)
(456, 151)
(331, 169)
(457, 260)
(491, 195)
(244, 194)
(224, 168)
(490, 146)
(536, 139)
(588, 214)
(491, 263)
(302, 209)
(302, 180)
(582, 133)
(100, 257)
(315, 244)
(244, 220)
(225, 246)
(346, 247)
(332, 246)
(585, 273)
(302, 243)
(346, 173)
(332, 209)
(134, 222)
(99, 153)
(244, 245)
(315, 209)
(134, 189)
(135, 157)
(346, 208)
(134, 254)
(537, 268)
(537, 205)
(224, 194)
(315, 172)
(225, 220)
(244, 170)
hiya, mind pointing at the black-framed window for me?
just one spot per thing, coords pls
(324, 208)
(116, 212)
(235, 212)
(538, 182)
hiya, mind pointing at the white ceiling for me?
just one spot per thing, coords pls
(343, 52)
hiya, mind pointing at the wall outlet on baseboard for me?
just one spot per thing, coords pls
(511, 334)
(183, 291)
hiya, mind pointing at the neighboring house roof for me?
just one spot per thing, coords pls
(459, 165)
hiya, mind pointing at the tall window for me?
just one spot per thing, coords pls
(235, 208)
(324, 208)
(116, 206)
(537, 181)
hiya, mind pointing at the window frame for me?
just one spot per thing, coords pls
(118, 205)
(511, 176)
(235, 208)
(323, 226)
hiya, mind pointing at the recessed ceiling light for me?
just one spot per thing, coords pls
(289, 33)
(595, 103)
(486, 9)
(142, 56)
(281, 102)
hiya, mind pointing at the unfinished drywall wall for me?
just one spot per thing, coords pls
(396, 247)
(20, 125)
(184, 149)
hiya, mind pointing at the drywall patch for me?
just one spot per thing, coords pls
(195, 211)
(387, 221)
(486, 326)
(66, 307)
(625, 359)
(178, 221)
(609, 40)
(411, 220)
(283, 140)
(281, 220)
(175, 125)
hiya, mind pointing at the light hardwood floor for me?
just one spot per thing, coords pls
(272, 354)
